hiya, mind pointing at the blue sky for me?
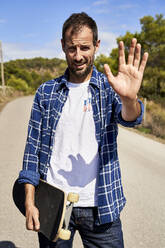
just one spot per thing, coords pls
(32, 28)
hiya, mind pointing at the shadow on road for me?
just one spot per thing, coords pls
(7, 244)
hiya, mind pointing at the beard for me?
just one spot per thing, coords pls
(78, 72)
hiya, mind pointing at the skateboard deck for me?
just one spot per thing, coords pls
(54, 213)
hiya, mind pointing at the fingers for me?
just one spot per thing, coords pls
(136, 61)
(32, 220)
(132, 51)
(121, 53)
(36, 222)
(109, 74)
(134, 55)
(32, 223)
(143, 62)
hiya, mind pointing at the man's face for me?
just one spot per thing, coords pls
(79, 51)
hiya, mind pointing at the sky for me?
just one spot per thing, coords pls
(32, 28)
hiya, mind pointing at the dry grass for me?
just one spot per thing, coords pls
(8, 95)
(155, 120)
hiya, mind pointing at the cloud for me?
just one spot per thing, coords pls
(108, 42)
(100, 7)
(100, 2)
(127, 6)
(2, 21)
(102, 11)
(30, 35)
(12, 51)
(124, 26)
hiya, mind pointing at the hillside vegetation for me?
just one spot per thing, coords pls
(25, 75)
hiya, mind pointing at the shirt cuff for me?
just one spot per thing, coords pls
(29, 176)
(132, 123)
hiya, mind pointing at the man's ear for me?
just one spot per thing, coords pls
(63, 45)
(97, 46)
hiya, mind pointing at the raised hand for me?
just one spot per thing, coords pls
(129, 78)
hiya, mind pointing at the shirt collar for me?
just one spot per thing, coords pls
(95, 78)
(94, 81)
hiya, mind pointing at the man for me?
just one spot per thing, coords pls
(72, 135)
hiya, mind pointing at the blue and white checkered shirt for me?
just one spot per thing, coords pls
(46, 111)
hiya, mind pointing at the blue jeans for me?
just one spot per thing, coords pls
(83, 219)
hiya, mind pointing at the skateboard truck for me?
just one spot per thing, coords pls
(64, 233)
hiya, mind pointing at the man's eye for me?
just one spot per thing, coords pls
(85, 48)
(71, 49)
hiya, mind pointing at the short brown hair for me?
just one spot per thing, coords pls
(77, 21)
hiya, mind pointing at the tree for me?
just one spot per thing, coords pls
(152, 39)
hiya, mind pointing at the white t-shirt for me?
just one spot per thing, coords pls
(75, 159)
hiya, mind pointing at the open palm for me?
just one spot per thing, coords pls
(129, 78)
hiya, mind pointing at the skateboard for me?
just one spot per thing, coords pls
(54, 212)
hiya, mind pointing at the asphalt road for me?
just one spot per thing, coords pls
(143, 170)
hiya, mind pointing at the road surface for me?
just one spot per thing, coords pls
(143, 170)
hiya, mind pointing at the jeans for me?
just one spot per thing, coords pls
(83, 219)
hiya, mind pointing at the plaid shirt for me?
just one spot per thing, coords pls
(46, 111)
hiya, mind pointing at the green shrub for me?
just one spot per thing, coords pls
(17, 83)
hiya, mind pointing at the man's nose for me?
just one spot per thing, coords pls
(78, 55)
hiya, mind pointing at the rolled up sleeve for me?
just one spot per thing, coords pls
(131, 123)
(30, 170)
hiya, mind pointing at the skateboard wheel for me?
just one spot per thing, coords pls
(64, 234)
(73, 197)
